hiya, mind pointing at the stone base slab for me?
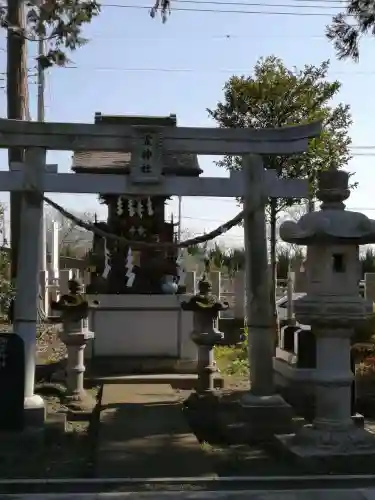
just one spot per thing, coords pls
(265, 416)
(326, 451)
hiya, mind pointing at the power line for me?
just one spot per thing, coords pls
(236, 4)
(198, 70)
(341, 3)
(232, 11)
(323, 4)
(226, 37)
(363, 154)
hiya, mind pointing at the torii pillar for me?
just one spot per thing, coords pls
(265, 412)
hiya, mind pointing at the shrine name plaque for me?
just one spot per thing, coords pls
(12, 382)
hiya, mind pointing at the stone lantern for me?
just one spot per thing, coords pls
(334, 309)
(205, 335)
(75, 334)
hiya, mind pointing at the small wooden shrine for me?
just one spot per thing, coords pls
(118, 268)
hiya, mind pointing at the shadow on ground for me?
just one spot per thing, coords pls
(148, 440)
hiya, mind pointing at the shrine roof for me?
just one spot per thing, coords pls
(119, 162)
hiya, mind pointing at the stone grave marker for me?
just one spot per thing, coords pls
(12, 382)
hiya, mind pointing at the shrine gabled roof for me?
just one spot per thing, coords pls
(119, 162)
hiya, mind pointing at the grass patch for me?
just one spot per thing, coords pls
(232, 360)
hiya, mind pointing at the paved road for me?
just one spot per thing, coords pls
(347, 494)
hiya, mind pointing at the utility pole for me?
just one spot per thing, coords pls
(41, 82)
(16, 108)
(44, 282)
(179, 218)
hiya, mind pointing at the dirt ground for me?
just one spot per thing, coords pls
(73, 453)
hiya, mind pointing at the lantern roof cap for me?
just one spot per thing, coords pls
(332, 224)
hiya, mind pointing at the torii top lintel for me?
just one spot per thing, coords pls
(205, 141)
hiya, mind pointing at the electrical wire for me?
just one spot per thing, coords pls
(340, 3)
(198, 70)
(223, 37)
(239, 4)
(336, 5)
(228, 11)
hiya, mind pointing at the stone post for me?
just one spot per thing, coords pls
(190, 282)
(290, 291)
(55, 256)
(265, 411)
(43, 275)
(215, 278)
(65, 276)
(86, 278)
(27, 285)
(44, 292)
(239, 295)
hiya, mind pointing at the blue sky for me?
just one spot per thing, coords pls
(136, 65)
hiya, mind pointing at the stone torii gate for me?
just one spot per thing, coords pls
(146, 145)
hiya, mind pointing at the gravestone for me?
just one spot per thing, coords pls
(12, 382)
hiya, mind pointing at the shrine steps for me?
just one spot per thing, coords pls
(146, 369)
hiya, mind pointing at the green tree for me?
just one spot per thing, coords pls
(275, 96)
(348, 27)
(59, 22)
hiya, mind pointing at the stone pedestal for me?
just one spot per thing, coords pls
(75, 335)
(265, 416)
(333, 434)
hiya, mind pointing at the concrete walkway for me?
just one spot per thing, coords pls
(143, 433)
